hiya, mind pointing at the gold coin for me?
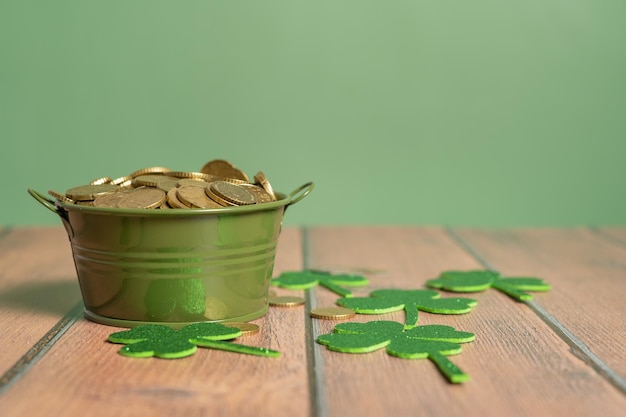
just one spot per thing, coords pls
(233, 193)
(172, 199)
(247, 329)
(150, 170)
(286, 301)
(224, 185)
(142, 198)
(102, 180)
(332, 313)
(217, 198)
(150, 180)
(60, 197)
(109, 200)
(125, 181)
(261, 195)
(192, 182)
(167, 184)
(262, 180)
(232, 180)
(193, 196)
(224, 169)
(89, 192)
(191, 175)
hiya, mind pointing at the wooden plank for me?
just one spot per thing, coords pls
(38, 286)
(586, 271)
(518, 365)
(83, 373)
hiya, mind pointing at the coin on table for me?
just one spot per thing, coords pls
(173, 200)
(332, 313)
(262, 180)
(224, 169)
(143, 198)
(89, 192)
(232, 193)
(193, 196)
(247, 329)
(286, 301)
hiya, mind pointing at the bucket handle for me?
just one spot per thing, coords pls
(300, 192)
(49, 204)
(45, 201)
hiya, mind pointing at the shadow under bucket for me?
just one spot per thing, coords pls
(177, 266)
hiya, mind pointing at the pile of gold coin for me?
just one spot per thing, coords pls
(217, 184)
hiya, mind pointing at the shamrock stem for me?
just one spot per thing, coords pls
(512, 292)
(411, 314)
(234, 347)
(336, 289)
(450, 370)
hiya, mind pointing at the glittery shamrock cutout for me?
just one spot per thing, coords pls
(475, 281)
(434, 342)
(310, 278)
(389, 300)
(149, 340)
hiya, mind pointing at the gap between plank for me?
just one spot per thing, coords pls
(605, 236)
(577, 347)
(314, 358)
(39, 349)
(5, 232)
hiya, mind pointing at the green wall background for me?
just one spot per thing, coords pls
(479, 113)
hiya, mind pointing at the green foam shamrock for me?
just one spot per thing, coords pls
(388, 300)
(475, 281)
(310, 278)
(149, 340)
(434, 342)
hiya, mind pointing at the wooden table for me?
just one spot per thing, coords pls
(563, 354)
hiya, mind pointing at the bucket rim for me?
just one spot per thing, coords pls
(282, 200)
(114, 211)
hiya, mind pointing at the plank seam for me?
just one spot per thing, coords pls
(39, 349)
(5, 232)
(314, 358)
(577, 347)
(606, 237)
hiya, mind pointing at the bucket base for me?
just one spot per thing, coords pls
(89, 315)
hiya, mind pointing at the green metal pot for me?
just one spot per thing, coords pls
(177, 266)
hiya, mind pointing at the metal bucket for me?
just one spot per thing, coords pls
(177, 266)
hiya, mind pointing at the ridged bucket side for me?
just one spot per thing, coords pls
(174, 270)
